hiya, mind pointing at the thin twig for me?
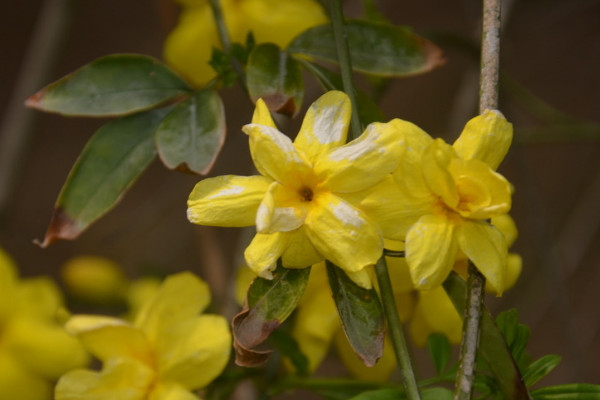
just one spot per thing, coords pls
(488, 99)
(343, 53)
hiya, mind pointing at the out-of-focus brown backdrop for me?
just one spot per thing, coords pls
(549, 47)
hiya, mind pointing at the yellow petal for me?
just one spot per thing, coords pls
(181, 297)
(227, 200)
(362, 278)
(482, 192)
(170, 391)
(362, 162)
(435, 163)
(483, 244)
(45, 349)
(194, 352)
(275, 156)
(343, 234)
(281, 210)
(431, 248)
(393, 210)
(514, 265)
(325, 125)
(262, 115)
(38, 297)
(409, 173)
(398, 269)
(120, 378)
(107, 337)
(435, 313)
(264, 250)
(507, 226)
(486, 137)
(278, 21)
(16, 382)
(300, 252)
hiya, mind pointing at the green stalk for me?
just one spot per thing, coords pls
(488, 99)
(225, 40)
(385, 286)
(395, 330)
(343, 53)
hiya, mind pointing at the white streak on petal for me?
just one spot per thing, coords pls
(231, 190)
(347, 214)
(324, 131)
(263, 218)
(357, 148)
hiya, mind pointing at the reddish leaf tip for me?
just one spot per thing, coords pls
(34, 100)
(61, 226)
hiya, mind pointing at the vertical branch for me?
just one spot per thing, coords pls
(490, 55)
(343, 53)
(395, 330)
(488, 99)
(41, 57)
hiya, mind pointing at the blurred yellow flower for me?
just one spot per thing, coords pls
(169, 350)
(189, 46)
(448, 195)
(34, 348)
(94, 279)
(306, 204)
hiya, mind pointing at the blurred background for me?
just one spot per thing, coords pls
(550, 92)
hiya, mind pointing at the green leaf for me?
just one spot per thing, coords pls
(572, 391)
(111, 161)
(375, 48)
(276, 78)
(113, 85)
(191, 136)
(540, 368)
(515, 334)
(361, 313)
(493, 347)
(368, 111)
(269, 303)
(440, 351)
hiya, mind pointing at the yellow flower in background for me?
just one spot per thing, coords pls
(449, 194)
(169, 351)
(34, 348)
(306, 204)
(94, 279)
(188, 48)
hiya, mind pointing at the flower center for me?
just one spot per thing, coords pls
(306, 193)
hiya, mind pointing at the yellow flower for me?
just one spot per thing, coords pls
(34, 348)
(449, 194)
(167, 352)
(188, 47)
(94, 279)
(306, 204)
